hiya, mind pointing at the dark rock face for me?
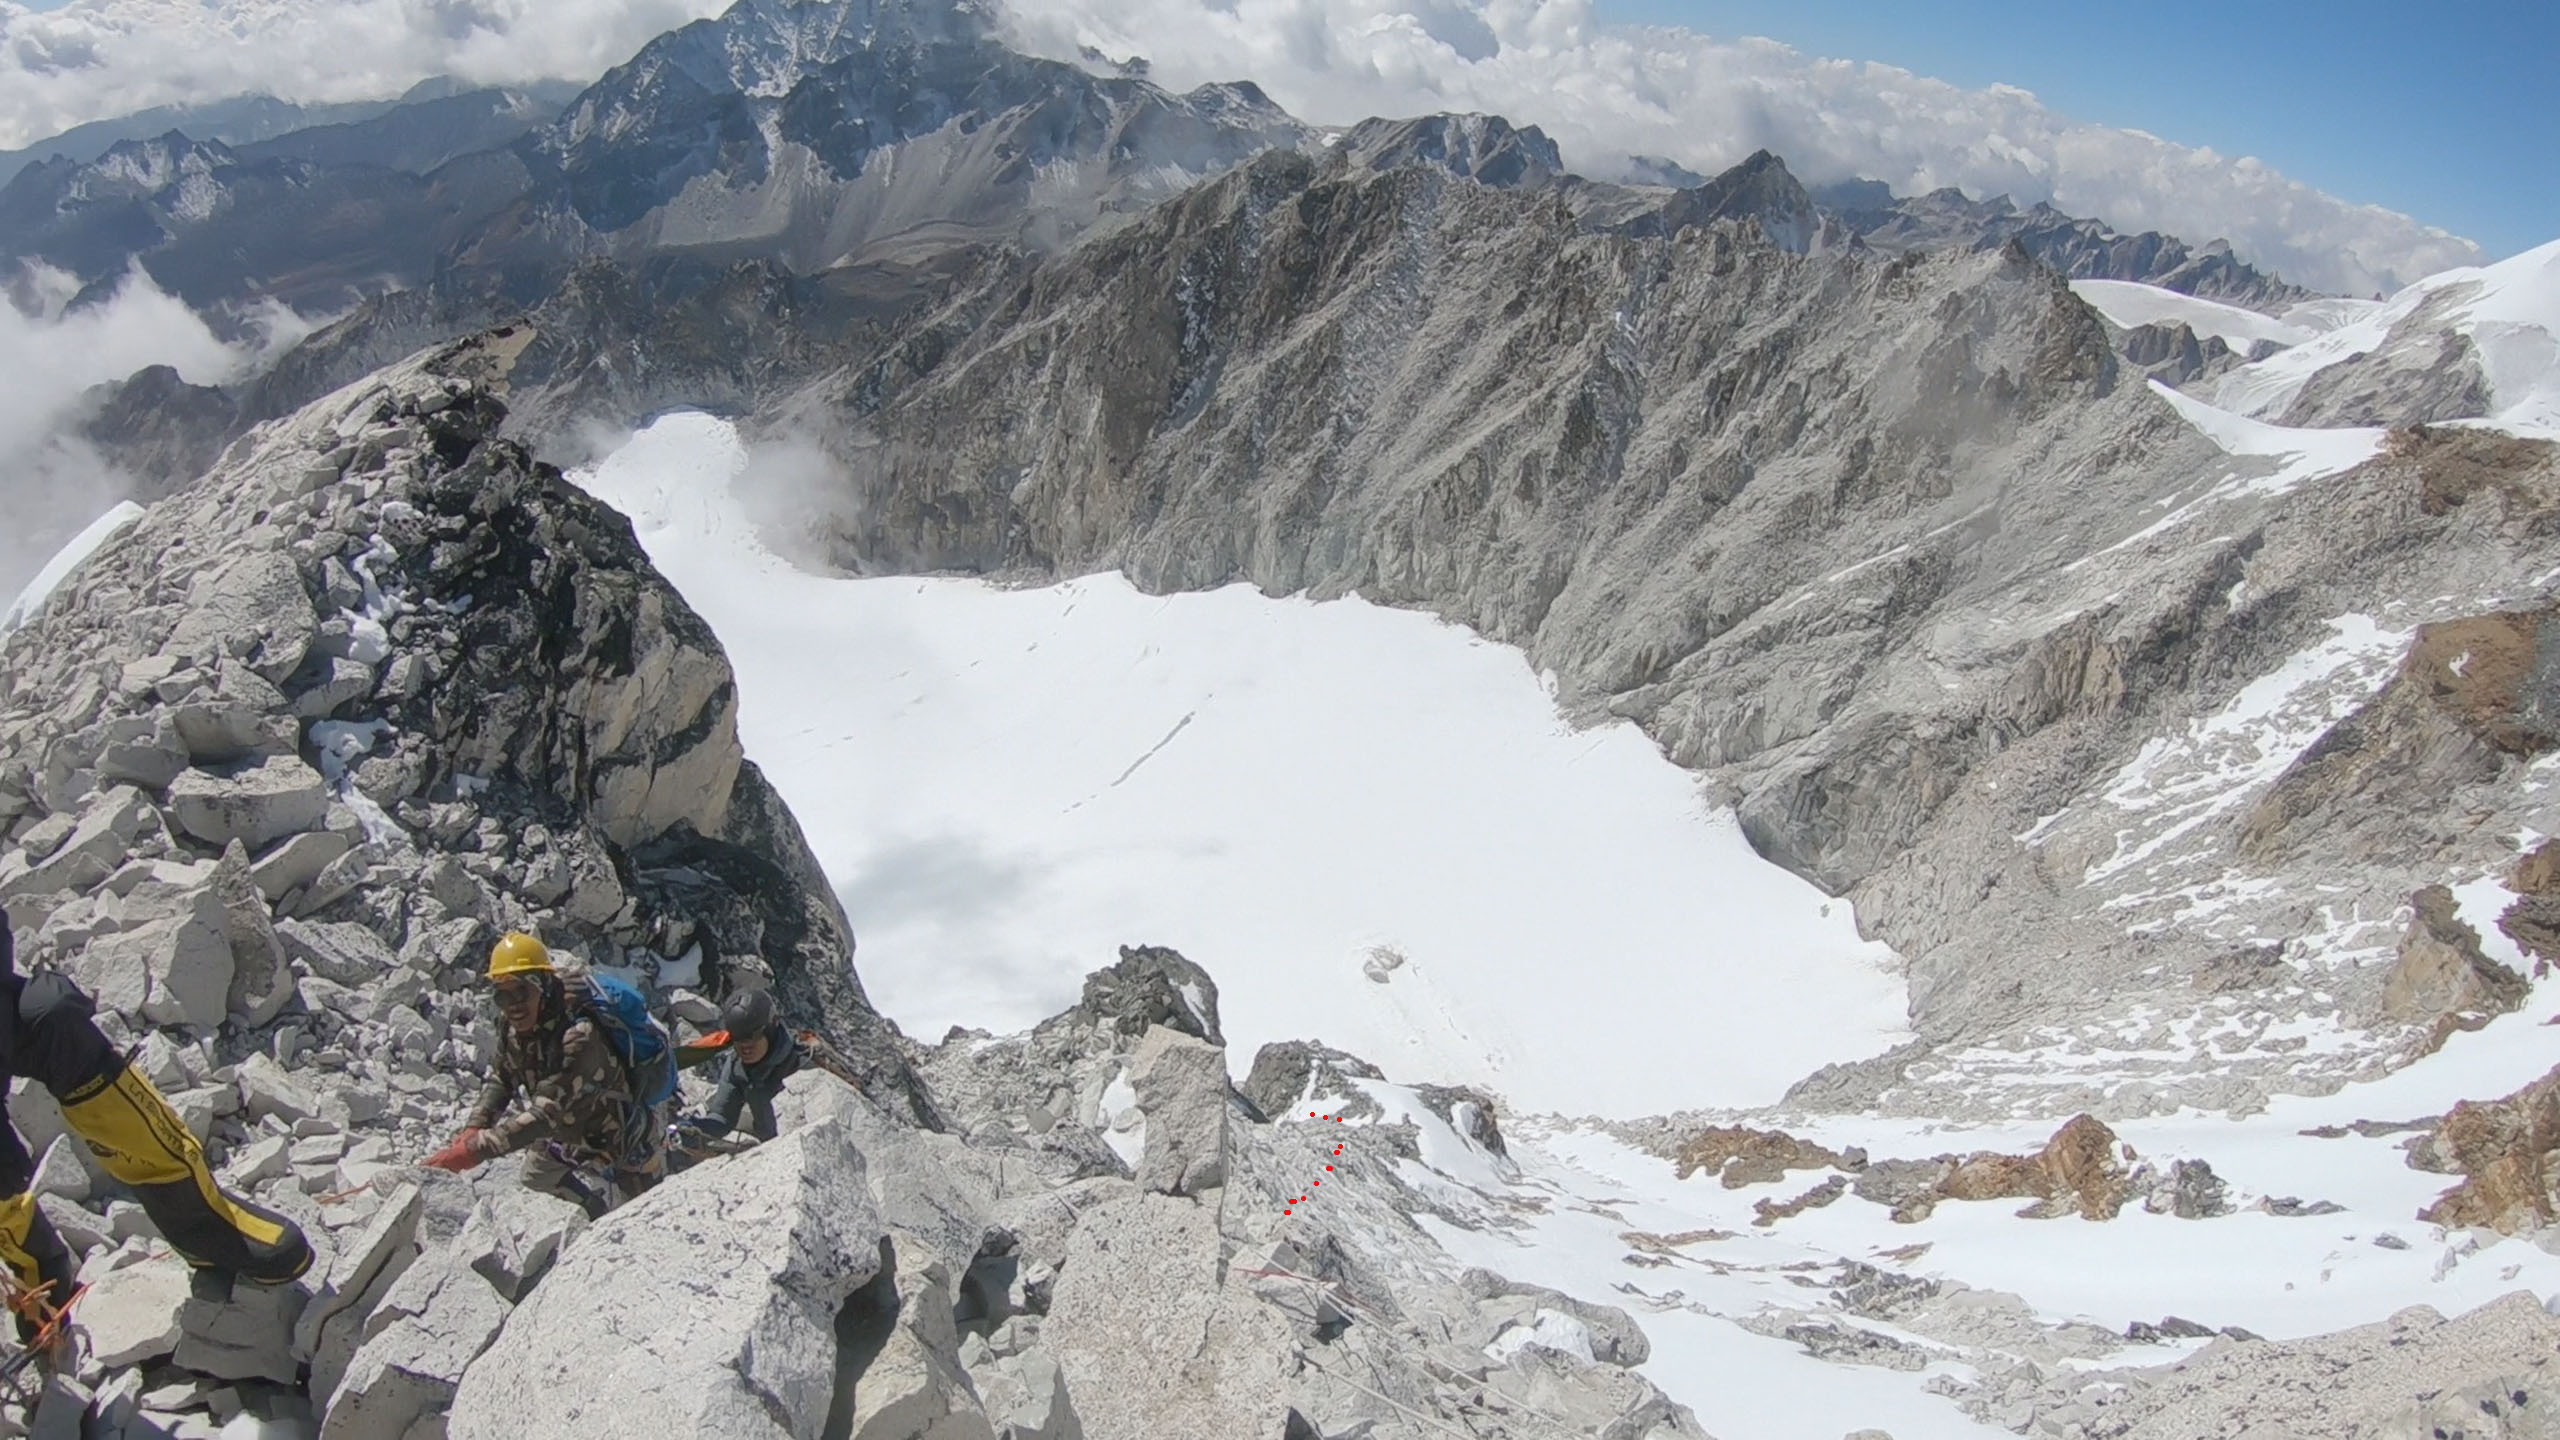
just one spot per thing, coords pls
(422, 132)
(2472, 695)
(158, 430)
(219, 229)
(1467, 1110)
(1152, 986)
(1287, 1071)
(236, 121)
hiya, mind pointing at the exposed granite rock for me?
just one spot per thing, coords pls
(2508, 1153)
(707, 1307)
(2442, 982)
(1744, 1156)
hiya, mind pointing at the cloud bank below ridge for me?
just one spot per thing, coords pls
(1603, 91)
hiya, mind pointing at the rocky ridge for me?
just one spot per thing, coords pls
(1895, 552)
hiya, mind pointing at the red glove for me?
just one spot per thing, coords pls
(461, 1155)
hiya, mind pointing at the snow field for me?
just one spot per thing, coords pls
(2509, 311)
(1007, 785)
(2280, 1277)
(2131, 305)
(58, 569)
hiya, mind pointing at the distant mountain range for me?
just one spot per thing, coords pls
(750, 198)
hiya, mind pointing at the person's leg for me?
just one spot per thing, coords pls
(548, 1171)
(139, 1141)
(29, 1246)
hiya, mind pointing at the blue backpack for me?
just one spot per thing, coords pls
(647, 1052)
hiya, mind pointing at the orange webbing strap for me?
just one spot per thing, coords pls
(51, 1323)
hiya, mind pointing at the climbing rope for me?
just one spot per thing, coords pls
(52, 1341)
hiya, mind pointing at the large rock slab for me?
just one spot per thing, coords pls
(914, 1388)
(247, 1335)
(256, 801)
(1181, 1084)
(421, 1340)
(131, 1315)
(1153, 1345)
(933, 1192)
(173, 971)
(299, 861)
(108, 827)
(705, 1308)
(253, 610)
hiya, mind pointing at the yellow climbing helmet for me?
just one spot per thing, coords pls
(518, 954)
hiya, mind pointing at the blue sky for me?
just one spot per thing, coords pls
(2449, 112)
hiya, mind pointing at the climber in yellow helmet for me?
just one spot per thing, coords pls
(580, 1116)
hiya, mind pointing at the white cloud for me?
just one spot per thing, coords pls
(1603, 91)
(94, 59)
(51, 482)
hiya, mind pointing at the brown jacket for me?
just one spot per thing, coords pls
(575, 1090)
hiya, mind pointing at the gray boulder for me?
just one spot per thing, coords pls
(1616, 1339)
(141, 750)
(434, 1322)
(299, 861)
(358, 1278)
(130, 1315)
(253, 610)
(247, 1335)
(220, 732)
(705, 1308)
(1153, 1345)
(108, 828)
(1182, 1090)
(932, 1191)
(337, 951)
(515, 1234)
(915, 1388)
(173, 969)
(256, 801)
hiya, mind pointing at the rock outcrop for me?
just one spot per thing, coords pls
(1739, 1155)
(2442, 982)
(276, 766)
(2508, 1153)
(708, 1307)
(2483, 1375)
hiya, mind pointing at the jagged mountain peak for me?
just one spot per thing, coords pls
(763, 47)
(158, 162)
(1761, 188)
(1487, 148)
